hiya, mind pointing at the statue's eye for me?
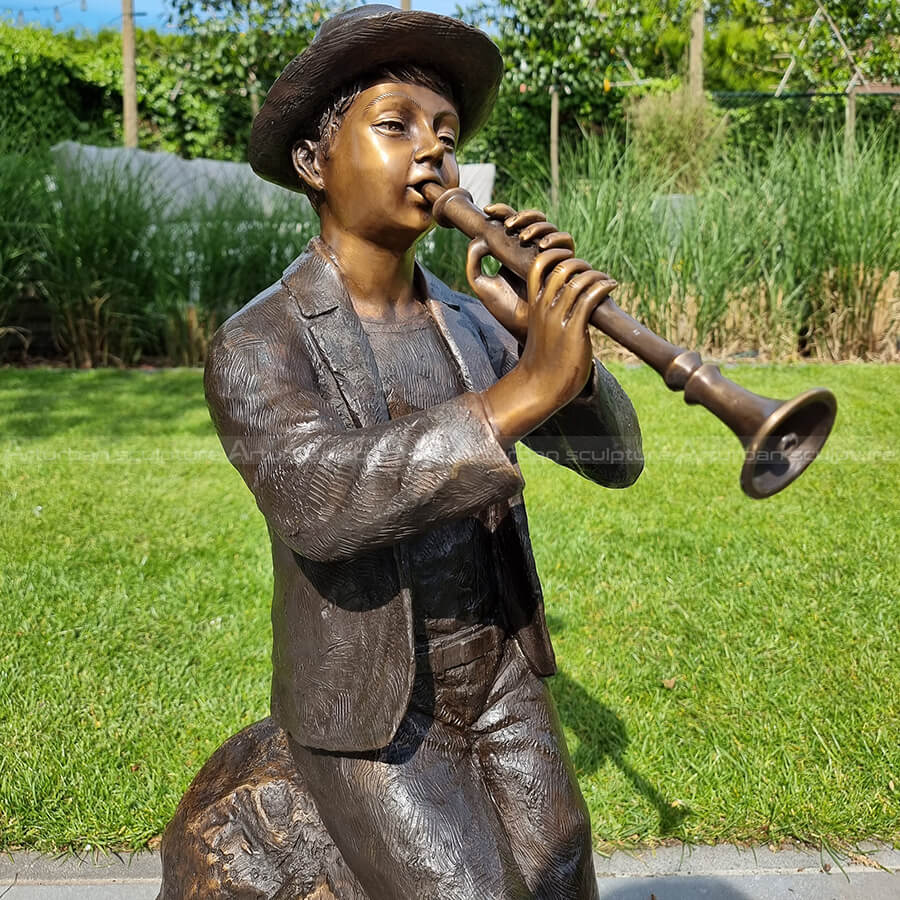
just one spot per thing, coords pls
(394, 125)
(448, 140)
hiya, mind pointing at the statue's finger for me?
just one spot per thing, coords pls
(477, 251)
(542, 263)
(557, 239)
(525, 217)
(499, 210)
(574, 287)
(537, 230)
(589, 300)
(561, 273)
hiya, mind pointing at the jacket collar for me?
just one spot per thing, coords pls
(315, 284)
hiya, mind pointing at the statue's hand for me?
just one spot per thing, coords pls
(555, 364)
(505, 295)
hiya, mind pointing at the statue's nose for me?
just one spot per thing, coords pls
(432, 148)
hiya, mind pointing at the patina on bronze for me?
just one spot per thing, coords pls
(372, 412)
(414, 750)
(781, 438)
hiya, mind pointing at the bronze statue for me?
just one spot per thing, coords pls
(414, 750)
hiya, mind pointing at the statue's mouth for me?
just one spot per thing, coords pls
(418, 187)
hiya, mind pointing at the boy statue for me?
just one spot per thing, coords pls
(372, 411)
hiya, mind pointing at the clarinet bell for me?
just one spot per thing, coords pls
(787, 441)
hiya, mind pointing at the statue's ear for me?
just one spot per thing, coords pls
(305, 155)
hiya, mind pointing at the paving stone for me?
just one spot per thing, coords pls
(722, 872)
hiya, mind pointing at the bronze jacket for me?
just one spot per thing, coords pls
(295, 395)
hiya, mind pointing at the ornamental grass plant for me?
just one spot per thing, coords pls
(123, 279)
(21, 208)
(794, 253)
(788, 253)
(676, 135)
(98, 267)
(218, 256)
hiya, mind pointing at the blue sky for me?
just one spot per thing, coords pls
(107, 13)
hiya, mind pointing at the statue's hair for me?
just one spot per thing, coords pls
(333, 114)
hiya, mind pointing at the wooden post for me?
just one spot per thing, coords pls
(854, 89)
(251, 90)
(850, 122)
(406, 5)
(554, 150)
(129, 75)
(695, 53)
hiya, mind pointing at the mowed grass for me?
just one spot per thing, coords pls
(135, 636)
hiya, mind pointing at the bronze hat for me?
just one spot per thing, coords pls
(355, 42)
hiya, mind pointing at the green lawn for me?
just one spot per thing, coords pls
(135, 582)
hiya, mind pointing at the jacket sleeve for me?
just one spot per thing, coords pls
(596, 434)
(329, 490)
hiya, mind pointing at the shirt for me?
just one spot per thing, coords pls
(451, 565)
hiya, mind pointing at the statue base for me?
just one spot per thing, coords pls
(248, 829)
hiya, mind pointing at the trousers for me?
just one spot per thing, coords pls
(475, 798)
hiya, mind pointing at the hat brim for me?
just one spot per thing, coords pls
(463, 55)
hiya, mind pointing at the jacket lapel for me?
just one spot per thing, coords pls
(315, 283)
(459, 334)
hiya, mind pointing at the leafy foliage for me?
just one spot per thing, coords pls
(197, 89)
(229, 56)
(54, 87)
(748, 43)
(675, 135)
(572, 47)
(638, 46)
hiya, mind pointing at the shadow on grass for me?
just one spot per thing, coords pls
(120, 404)
(602, 737)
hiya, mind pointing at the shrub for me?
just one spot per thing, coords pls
(194, 89)
(54, 87)
(676, 135)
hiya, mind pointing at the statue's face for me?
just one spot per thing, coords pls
(393, 138)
